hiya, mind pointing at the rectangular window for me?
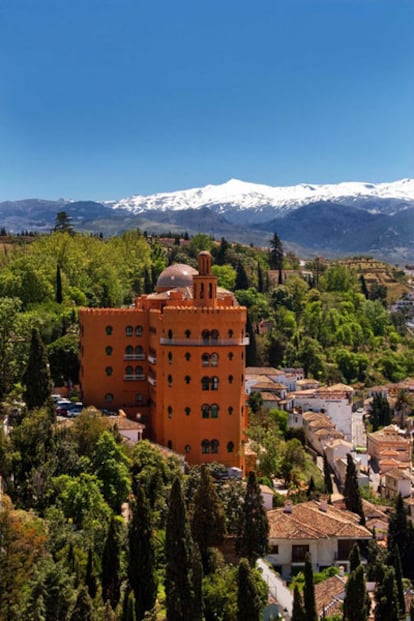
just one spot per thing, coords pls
(299, 553)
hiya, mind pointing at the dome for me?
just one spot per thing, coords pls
(177, 275)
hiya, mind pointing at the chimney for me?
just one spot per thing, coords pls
(323, 505)
(288, 506)
(341, 571)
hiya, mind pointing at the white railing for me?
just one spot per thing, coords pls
(134, 356)
(152, 380)
(134, 378)
(204, 343)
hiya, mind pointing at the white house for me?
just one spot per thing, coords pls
(396, 481)
(335, 401)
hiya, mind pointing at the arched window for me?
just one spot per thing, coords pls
(138, 330)
(230, 410)
(108, 370)
(170, 334)
(187, 411)
(230, 447)
(139, 350)
(214, 410)
(187, 448)
(205, 383)
(109, 397)
(108, 330)
(129, 350)
(187, 356)
(210, 290)
(231, 334)
(170, 380)
(205, 360)
(170, 357)
(231, 355)
(230, 379)
(129, 330)
(108, 350)
(170, 411)
(202, 290)
(205, 446)
(169, 444)
(205, 335)
(214, 335)
(139, 371)
(205, 410)
(214, 360)
(187, 379)
(214, 383)
(129, 370)
(188, 334)
(214, 444)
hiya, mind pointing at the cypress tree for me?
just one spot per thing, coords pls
(183, 567)
(207, 520)
(251, 349)
(36, 377)
(354, 557)
(260, 279)
(59, 295)
(242, 282)
(248, 600)
(386, 597)
(252, 540)
(309, 603)
(401, 535)
(399, 579)
(352, 494)
(327, 476)
(111, 563)
(148, 288)
(276, 253)
(128, 612)
(141, 563)
(83, 609)
(356, 602)
(90, 578)
(298, 614)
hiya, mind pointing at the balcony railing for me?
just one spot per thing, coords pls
(134, 356)
(134, 378)
(206, 343)
(152, 380)
(152, 359)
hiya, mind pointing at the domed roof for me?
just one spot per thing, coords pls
(177, 275)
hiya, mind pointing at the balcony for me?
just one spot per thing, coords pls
(152, 380)
(134, 356)
(152, 359)
(134, 378)
(204, 343)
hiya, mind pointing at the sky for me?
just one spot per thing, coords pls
(103, 99)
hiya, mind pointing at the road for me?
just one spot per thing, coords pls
(277, 589)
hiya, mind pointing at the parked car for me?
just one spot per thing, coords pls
(68, 408)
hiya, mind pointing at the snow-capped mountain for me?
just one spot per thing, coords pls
(264, 201)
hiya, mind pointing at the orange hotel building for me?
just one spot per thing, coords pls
(175, 360)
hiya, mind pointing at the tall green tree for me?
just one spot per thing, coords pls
(183, 565)
(353, 501)
(83, 609)
(327, 480)
(208, 524)
(242, 282)
(249, 603)
(356, 602)
(380, 414)
(276, 253)
(11, 338)
(386, 597)
(309, 603)
(112, 468)
(354, 557)
(111, 563)
(36, 377)
(396, 561)
(252, 539)
(401, 536)
(298, 613)
(63, 222)
(90, 577)
(59, 294)
(141, 560)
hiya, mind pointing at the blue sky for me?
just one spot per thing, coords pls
(102, 99)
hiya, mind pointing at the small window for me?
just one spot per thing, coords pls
(214, 383)
(205, 335)
(187, 448)
(138, 398)
(187, 356)
(138, 330)
(187, 379)
(108, 330)
(214, 444)
(231, 355)
(205, 360)
(139, 371)
(214, 360)
(129, 370)
(187, 334)
(129, 350)
(230, 410)
(214, 335)
(214, 410)
(230, 447)
(187, 411)
(205, 383)
(230, 379)
(108, 371)
(205, 447)
(170, 380)
(109, 397)
(169, 444)
(231, 334)
(129, 330)
(205, 411)
(108, 350)
(138, 350)
(170, 357)
(170, 334)
(170, 411)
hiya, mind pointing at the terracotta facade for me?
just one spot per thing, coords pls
(175, 361)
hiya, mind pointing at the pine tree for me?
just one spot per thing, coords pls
(183, 565)
(248, 600)
(309, 603)
(59, 296)
(252, 540)
(208, 522)
(36, 377)
(356, 602)
(276, 253)
(83, 609)
(352, 494)
(386, 597)
(298, 613)
(111, 563)
(327, 476)
(141, 563)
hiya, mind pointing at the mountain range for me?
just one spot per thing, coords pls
(344, 218)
